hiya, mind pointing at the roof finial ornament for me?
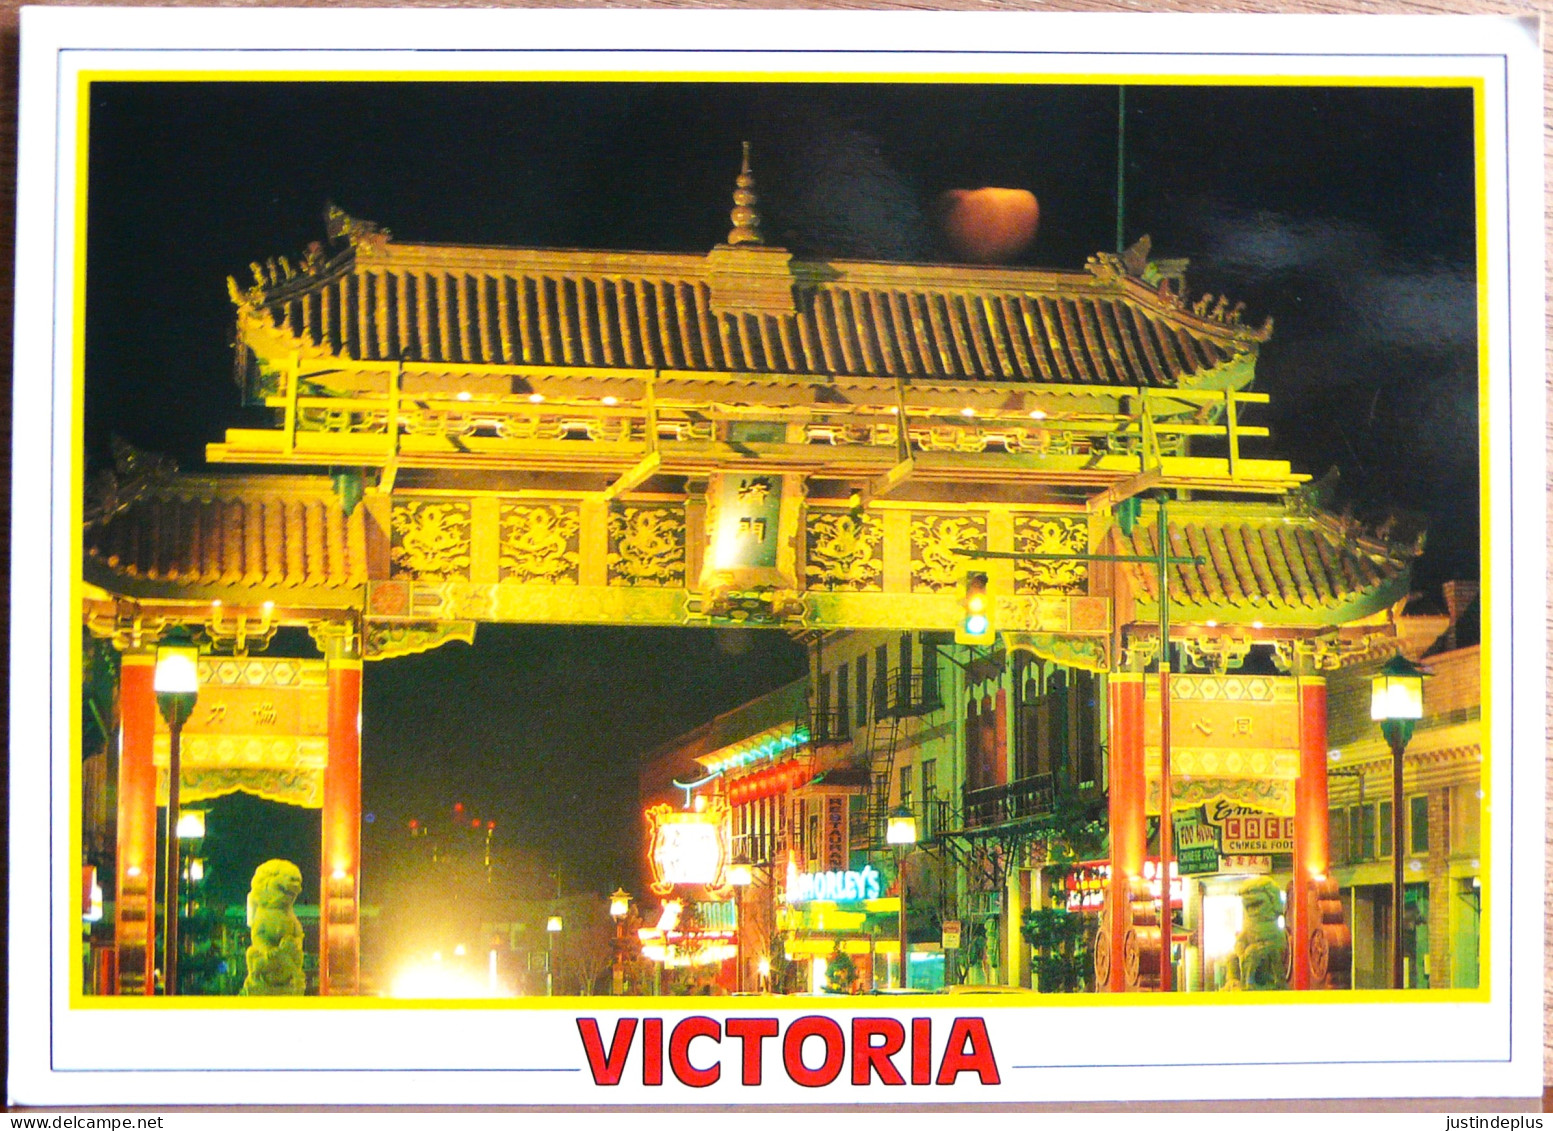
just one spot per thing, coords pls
(746, 221)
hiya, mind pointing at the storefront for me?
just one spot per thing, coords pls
(1229, 922)
(840, 929)
(693, 944)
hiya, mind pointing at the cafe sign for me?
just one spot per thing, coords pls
(1245, 831)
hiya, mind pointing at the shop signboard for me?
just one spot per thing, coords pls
(836, 832)
(1247, 865)
(1197, 846)
(1246, 831)
(688, 847)
(951, 939)
(747, 513)
(1087, 885)
(834, 886)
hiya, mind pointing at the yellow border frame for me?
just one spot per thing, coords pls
(1481, 994)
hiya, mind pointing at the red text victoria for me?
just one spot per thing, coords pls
(812, 1051)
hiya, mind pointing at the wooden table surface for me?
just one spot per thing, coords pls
(9, 21)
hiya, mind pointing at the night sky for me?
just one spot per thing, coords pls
(1345, 214)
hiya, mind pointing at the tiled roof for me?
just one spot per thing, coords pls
(282, 532)
(379, 300)
(1260, 557)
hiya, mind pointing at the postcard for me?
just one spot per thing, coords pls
(704, 558)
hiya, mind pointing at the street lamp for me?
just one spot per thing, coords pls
(176, 683)
(619, 908)
(1397, 703)
(552, 928)
(740, 876)
(901, 831)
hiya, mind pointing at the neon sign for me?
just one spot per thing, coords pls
(687, 847)
(832, 887)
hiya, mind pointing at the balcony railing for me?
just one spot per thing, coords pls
(829, 727)
(1001, 804)
(910, 697)
(756, 847)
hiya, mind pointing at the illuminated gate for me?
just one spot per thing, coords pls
(734, 438)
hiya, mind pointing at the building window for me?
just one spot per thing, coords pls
(1337, 832)
(929, 794)
(903, 673)
(1385, 831)
(843, 701)
(881, 679)
(862, 691)
(1463, 816)
(822, 709)
(1418, 825)
(1361, 832)
(930, 692)
(857, 827)
(813, 844)
(905, 786)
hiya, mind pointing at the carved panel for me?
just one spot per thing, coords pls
(1091, 653)
(1273, 794)
(1226, 726)
(1043, 534)
(845, 551)
(300, 787)
(935, 538)
(647, 546)
(430, 540)
(539, 544)
(387, 641)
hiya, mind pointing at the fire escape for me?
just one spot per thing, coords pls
(993, 826)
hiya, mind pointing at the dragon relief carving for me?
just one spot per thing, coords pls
(386, 641)
(430, 540)
(845, 551)
(539, 544)
(647, 546)
(935, 541)
(1037, 535)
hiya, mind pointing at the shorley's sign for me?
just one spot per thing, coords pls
(832, 887)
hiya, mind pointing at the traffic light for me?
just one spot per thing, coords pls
(976, 612)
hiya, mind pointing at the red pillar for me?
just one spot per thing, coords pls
(1129, 833)
(973, 732)
(1312, 849)
(1000, 738)
(340, 892)
(134, 916)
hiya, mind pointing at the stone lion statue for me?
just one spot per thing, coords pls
(275, 956)
(1261, 955)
